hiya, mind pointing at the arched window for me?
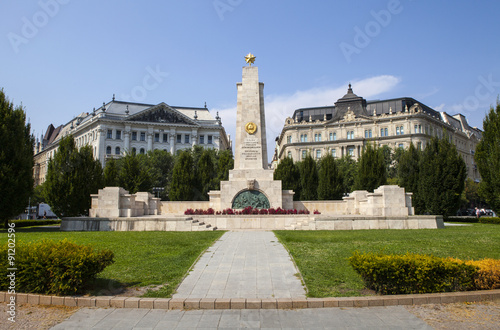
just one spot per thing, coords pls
(142, 151)
(117, 150)
(108, 150)
(134, 151)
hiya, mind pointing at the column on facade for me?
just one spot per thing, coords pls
(216, 142)
(126, 138)
(150, 138)
(171, 138)
(194, 137)
(101, 147)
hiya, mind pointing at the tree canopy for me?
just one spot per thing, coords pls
(487, 157)
(16, 159)
(372, 169)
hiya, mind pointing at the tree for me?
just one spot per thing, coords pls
(371, 169)
(487, 158)
(72, 175)
(16, 159)
(330, 183)
(441, 179)
(183, 178)
(206, 175)
(159, 166)
(224, 164)
(288, 172)
(308, 179)
(111, 172)
(348, 169)
(409, 173)
(133, 175)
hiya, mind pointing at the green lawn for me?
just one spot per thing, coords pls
(141, 258)
(321, 256)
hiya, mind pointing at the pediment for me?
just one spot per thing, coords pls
(162, 113)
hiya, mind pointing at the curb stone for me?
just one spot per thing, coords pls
(252, 303)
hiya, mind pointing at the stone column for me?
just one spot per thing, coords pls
(126, 138)
(101, 147)
(150, 138)
(194, 137)
(172, 138)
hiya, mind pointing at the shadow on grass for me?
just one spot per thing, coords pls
(109, 287)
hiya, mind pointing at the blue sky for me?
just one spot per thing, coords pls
(63, 57)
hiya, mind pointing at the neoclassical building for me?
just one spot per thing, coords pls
(118, 127)
(346, 127)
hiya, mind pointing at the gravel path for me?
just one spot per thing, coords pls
(35, 316)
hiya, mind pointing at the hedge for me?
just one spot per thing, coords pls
(493, 220)
(413, 273)
(29, 223)
(50, 267)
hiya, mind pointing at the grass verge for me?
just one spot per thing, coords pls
(141, 258)
(321, 256)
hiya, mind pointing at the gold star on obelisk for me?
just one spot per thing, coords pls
(250, 58)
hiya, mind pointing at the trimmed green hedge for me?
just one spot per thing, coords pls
(51, 267)
(29, 223)
(413, 273)
(493, 220)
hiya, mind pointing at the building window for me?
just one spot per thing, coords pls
(143, 136)
(334, 136)
(419, 145)
(118, 135)
(134, 136)
(350, 151)
(318, 153)
(304, 154)
(108, 150)
(401, 146)
(142, 151)
(157, 137)
(317, 137)
(303, 138)
(209, 139)
(334, 153)
(165, 137)
(289, 139)
(179, 138)
(186, 138)
(368, 133)
(397, 130)
(418, 128)
(401, 130)
(110, 134)
(384, 132)
(289, 155)
(134, 151)
(202, 139)
(331, 136)
(350, 135)
(117, 150)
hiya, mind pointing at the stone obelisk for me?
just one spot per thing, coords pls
(251, 182)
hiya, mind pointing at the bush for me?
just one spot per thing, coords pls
(488, 275)
(493, 220)
(29, 223)
(413, 273)
(50, 267)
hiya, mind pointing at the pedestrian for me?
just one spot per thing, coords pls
(477, 213)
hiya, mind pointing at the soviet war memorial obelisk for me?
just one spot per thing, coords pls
(250, 182)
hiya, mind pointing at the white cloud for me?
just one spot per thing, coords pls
(440, 107)
(278, 107)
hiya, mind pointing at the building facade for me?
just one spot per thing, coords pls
(345, 128)
(119, 127)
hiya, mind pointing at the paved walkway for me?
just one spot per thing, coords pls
(393, 317)
(243, 264)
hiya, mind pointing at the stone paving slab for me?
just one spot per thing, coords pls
(243, 265)
(392, 317)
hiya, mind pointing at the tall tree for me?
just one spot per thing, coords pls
(488, 158)
(72, 175)
(206, 175)
(133, 175)
(348, 169)
(288, 172)
(308, 179)
(183, 178)
(111, 178)
(330, 183)
(442, 178)
(409, 174)
(16, 159)
(224, 164)
(371, 169)
(160, 164)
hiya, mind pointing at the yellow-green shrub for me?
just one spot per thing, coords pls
(413, 273)
(51, 267)
(488, 274)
